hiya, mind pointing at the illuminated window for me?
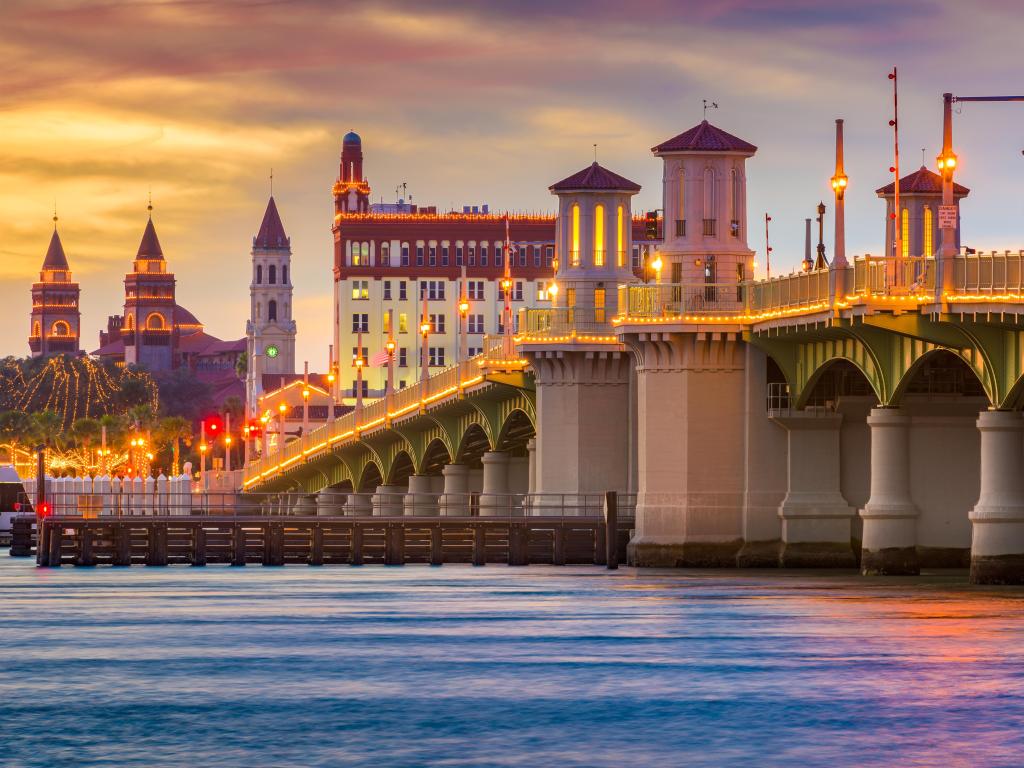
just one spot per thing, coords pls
(905, 233)
(60, 328)
(574, 251)
(570, 297)
(599, 305)
(437, 323)
(403, 323)
(598, 235)
(387, 322)
(129, 322)
(620, 238)
(927, 239)
(35, 329)
(360, 289)
(155, 322)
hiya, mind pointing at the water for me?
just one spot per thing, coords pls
(536, 666)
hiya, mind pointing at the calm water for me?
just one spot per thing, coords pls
(457, 666)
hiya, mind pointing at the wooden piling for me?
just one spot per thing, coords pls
(237, 545)
(356, 551)
(273, 544)
(599, 544)
(436, 545)
(86, 556)
(21, 536)
(43, 545)
(479, 544)
(394, 544)
(316, 548)
(611, 528)
(517, 536)
(122, 545)
(157, 554)
(199, 545)
(558, 544)
(56, 543)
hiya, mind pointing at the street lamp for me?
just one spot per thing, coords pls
(282, 408)
(657, 265)
(330, 385)
(227, 453)
(463, 308)
(264, 420)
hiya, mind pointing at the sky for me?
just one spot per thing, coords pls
(104, 102)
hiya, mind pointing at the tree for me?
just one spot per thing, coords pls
(182, 394)
(49, 429)
(172, 430)
(16, 428)
(116, 430)
(242, 365)
(86, 432)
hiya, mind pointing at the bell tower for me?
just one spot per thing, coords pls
(351, 190)
(271, 330)
(55, 321)
(149, 331)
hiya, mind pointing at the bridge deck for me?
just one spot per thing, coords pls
(157, 541)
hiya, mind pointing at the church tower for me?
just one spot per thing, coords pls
(270, 331)
(351, 190)
(705, 202)
(149, 330)
(55, 320)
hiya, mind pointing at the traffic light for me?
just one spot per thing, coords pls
(651, 225)
(44, 509)
(213, 425)
(255, 429)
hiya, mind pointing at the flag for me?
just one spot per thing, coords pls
(381, 358)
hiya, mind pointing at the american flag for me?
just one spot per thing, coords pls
(381, 358)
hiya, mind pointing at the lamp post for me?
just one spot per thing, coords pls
(358, 363)
(946, 161)
(331, 377)
(657, 266)
(227, 453)
(265, 421)
(820, 262)
(839, 181)
(389, 347)
(305, 400)
(424, 361)
(282, 408)
(462, 352)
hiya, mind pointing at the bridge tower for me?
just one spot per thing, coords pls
(920, 198)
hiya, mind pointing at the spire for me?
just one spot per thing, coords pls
(271, 234)
(149, 248)
(55, 258)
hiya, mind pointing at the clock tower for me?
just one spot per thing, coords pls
(270, 331)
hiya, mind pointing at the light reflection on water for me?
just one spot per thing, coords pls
(457, 666)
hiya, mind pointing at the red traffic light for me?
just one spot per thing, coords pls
(213, 424)
(44, 509)
(255, 428)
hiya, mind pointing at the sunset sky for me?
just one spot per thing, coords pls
(466, 102)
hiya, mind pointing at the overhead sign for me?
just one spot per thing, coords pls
(947, 217)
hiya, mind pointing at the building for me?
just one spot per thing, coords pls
(398, 265)
(270, 332)
(55, 325)
(920, 198)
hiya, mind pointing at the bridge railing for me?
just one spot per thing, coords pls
(792, 291)
(891, 276)
(681, 300)
(548, 322)
(989, 273)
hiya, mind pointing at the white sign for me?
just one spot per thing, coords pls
(947, 217)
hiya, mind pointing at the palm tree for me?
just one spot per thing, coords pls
(86, 432)
(49, 429)
(16, 427)
(116, 430)
(172, 430)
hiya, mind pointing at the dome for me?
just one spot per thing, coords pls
(351, 138)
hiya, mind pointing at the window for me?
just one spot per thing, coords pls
(681, 208)
(536, 256)
(419, 255)
(458, 255)
(570, 297)
(636, 257)
(474, 351)
(405, 254)
(387, 290)
(620, 237)
(284, 275)
(522, 255)
(385, 254)
(741, 276)
(472, 256)
(272, 279)
(401, 384)
(386, 324)
(497, 255)
(272, 309)
(366, 388)
(598, 235)
(905, 233)
(444, 255)
(483, 255)
(680, 227)
(710, 201)
(549, 255)
(360, 290)
(401, 290)
(432, 289)
(435, 357)
(574, 247)
(517, 291)
(475, 290)
(403, 322)
(599, 305)
(709, 278)
(357, 356)
(403, 357)
(737, 202)
(927, 239)
(433, 255)
(259, 274)
(476, 323)
(360, 323)
(61, 328)
(437, 324)
(542, 291)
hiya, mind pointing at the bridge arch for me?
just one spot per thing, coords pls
(837, 377)
(402, 466)
(516, 429)
(435, 456)
(941, 370)
(370, 477)
(473, 444)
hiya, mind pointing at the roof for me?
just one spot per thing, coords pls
(704, 138)
(183, 317)
(595, 177)
(149, 248)
(115, 347)
(920, 182)
(271, 234)
(55, 258)
(272, 382)
(352, 138)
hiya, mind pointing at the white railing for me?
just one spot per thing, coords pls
(681, 300)
(792, 291)
(989, 273)
(891, 276)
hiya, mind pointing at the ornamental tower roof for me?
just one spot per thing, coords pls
(271, 234)
(920, 182)
(595, 178)
(55, 258)
(704, 137)
(149, 248)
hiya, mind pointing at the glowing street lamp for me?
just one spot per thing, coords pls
(657, 265)
(282, 409)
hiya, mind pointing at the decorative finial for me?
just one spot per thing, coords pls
(923, 162)
(55, 215)
(708, 105)
(271, 182)
(595, 152)
(149, 207)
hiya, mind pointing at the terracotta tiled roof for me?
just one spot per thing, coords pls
(114, 348)
(183, 317)
(921, 182)
(271, 234)
(149, 248)
(704, 138)
(55, 258)
(596, 177)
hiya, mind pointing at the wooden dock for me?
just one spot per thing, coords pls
(197, 541)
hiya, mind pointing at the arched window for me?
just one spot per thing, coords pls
(927, 241)
(574, 250)
(905, 233)
(681, 209)
(284, 274)
(259, 274)
(598, 235)
(737, 204)
(620, 238)
(60, 328)
(710, 200)
(155, 322)
(272, 277)
(385, 254)
(272, 310)
(129, 321)
(35, 329)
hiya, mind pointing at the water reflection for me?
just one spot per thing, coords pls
(529, 666)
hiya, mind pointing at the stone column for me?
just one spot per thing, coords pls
(494, 499)
(531, 451)
(387, 500)
(997, 546)
(359, 505)
(420, 499)
(890, 517)
(455, 499)
(331, 501)
(816, 520)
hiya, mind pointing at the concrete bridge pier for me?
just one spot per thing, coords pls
(889, 545)
(359, 504)
(816, 520)
(494, 498)
(454, 501)
(387, 501)
(331, 501)
(421, 499)
(997, 545)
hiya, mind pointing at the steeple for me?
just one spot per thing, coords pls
(271, 234)
(55, 258)
(149, 248)
(55, 320)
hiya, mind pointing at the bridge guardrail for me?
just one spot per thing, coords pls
(679, 300)
(792, 291)
(891, 276)
(547, 322)
(989, 273)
